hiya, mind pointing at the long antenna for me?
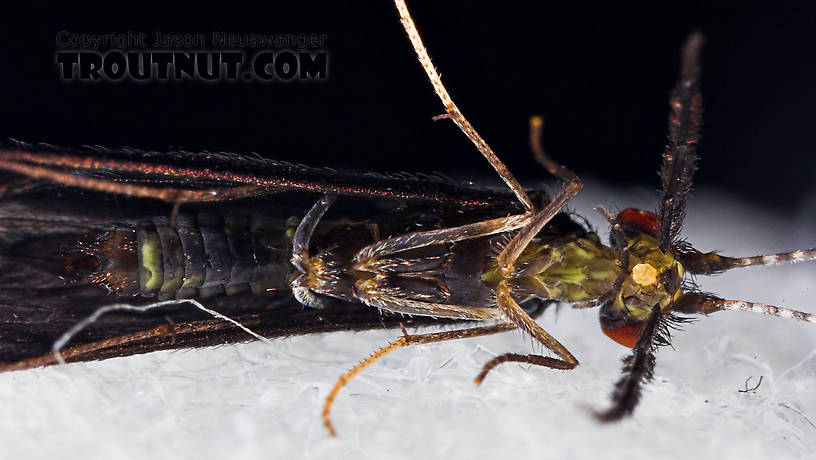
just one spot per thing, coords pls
(707, 263)
(765, 309)
(707, 304)
(680, 157)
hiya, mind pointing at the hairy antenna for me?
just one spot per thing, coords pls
(707, 304)
(698, 263)
(637, 369)
(680, 157)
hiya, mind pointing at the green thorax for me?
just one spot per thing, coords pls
(580, 269)
(569, 270)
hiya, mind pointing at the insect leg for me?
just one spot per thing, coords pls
(507, 258)
(301, 287)
(370, 294)
(445, 235)
(404, 341)
(509, 255)
(303, 233)
(511, 252)
(453, 111)
(513, 313)
(537, 360)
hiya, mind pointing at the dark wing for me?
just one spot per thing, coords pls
(38, 221)
(680, 157)
(207, 176)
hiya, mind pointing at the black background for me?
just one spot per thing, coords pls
(600, 73)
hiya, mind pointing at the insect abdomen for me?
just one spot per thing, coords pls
(200, 256)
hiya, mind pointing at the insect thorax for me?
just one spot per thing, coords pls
(564, 269)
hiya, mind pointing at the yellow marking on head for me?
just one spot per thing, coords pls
(644, 274)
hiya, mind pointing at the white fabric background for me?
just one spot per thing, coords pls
(259, 401)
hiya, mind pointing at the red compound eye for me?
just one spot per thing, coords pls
(626, 335)
(644, 221)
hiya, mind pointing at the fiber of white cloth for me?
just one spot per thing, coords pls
(259, 401)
